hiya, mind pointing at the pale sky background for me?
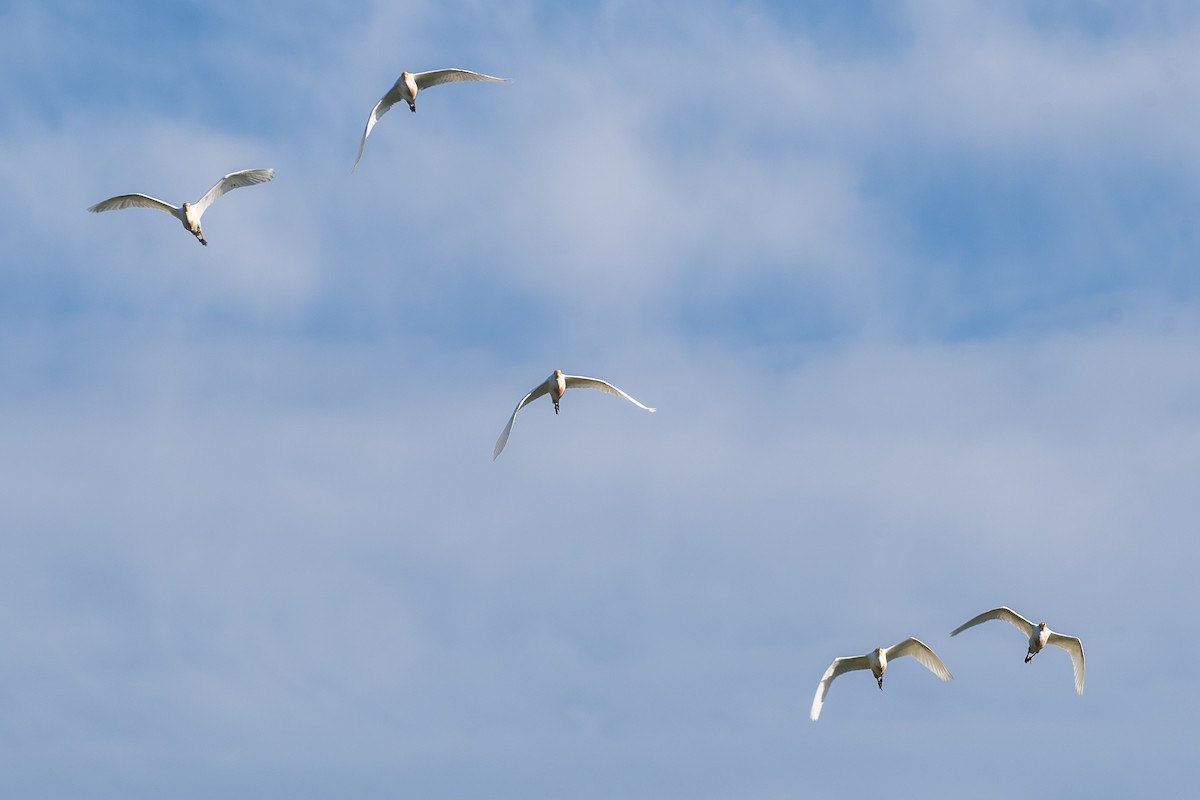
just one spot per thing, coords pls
(913, 286)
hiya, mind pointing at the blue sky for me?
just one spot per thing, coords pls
(913, 286)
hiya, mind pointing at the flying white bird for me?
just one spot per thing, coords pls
(190, 213)
(1039, 636)
(877, 661)
(556, 384)
(406, 88)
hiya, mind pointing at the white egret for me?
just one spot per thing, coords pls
(877, 661)
(406, 88)
(556, 385)
(1039, 636)
(189, 214)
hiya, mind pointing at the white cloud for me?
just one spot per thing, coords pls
(272, 562)
(253, 535)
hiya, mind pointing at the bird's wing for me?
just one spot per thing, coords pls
(1003, 612)
(132, 200)
(526, 400)
(437, 76)
(234, 180)
(580, 382)
(839, 665)
(914, 647)
(385, 103)
(1075, 648)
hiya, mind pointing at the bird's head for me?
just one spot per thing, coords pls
(558, 373)
(1041, 626)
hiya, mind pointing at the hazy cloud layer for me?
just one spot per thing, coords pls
(912, 286)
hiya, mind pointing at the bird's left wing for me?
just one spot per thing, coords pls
(580, 382)
(914, 647)
(438, 76)
(1075, 648)
(234, 180)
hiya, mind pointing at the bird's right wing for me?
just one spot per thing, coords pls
(1075, 647)
(382, 107)
(435, 77)
(579, 381)
(914, 647)
(1003, 612)
(839, 665)
(234, 180)
(131, 201)
(526, 400)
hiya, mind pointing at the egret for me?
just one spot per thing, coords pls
(1039, 636)
(877, 661)
(406, 87)
(556, 385)
(189, 213)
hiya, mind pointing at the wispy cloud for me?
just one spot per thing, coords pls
(909, 284)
